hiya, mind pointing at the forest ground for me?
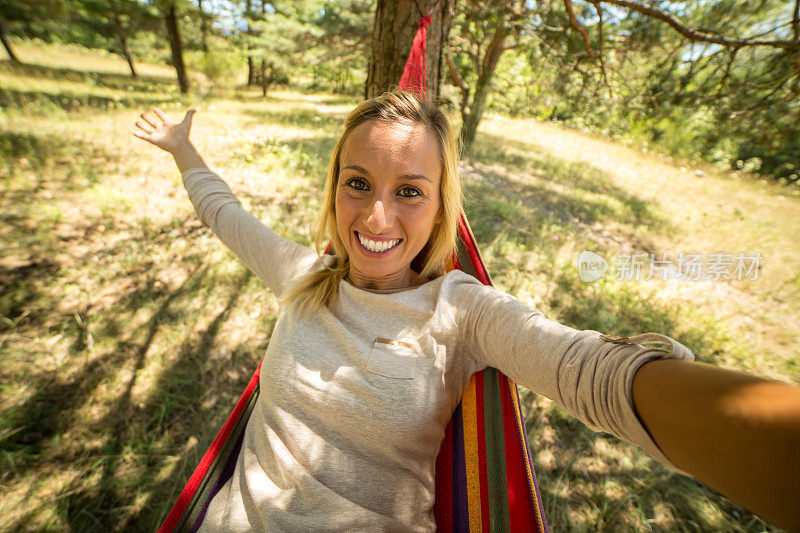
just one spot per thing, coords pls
(128, 331)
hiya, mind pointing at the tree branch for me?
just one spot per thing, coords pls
(599, 10)
(454, 72)
(573, 21)
(698, 34)
(727, 72)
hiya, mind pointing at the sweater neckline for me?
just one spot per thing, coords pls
(394, 291)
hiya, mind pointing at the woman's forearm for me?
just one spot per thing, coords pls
(737, 433)
(186, 156)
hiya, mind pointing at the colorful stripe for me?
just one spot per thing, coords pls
(495, 452)
(485, 522)
(460, 504)
(471, 455)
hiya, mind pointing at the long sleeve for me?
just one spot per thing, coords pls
(271, 257)
(588, 374)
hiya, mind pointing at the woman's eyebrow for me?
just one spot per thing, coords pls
(402, 177)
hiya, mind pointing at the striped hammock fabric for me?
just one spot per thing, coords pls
(484, 471)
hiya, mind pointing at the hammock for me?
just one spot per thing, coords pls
(484, 471)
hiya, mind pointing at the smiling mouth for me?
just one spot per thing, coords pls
(377, 247)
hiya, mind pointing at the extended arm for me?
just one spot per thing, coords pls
(271, 257)
(737, 433)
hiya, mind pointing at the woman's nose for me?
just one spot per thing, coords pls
(379, 218)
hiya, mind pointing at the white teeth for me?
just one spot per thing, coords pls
(377, 246)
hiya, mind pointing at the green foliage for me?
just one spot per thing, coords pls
(220, 65)
(691, 100)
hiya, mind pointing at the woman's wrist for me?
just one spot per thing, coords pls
(186, 156)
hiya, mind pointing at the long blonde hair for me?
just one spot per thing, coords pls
(319, 288)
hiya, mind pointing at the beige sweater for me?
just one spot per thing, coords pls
(347, 426)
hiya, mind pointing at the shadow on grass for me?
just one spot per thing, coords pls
(36, 168)
(108, 492)
(530, 185)
(123, 454)
(80, 163)
(175, 396)
(41, 102)
(121, 82)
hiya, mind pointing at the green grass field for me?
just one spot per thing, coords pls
(127, 331)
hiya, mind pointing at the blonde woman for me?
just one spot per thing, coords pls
(374, 345)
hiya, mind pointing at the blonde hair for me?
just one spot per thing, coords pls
(319, 288)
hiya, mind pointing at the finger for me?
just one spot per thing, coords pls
(144, 128)
(147, 119)
(188, 118)
(163, 116)
(141, 136)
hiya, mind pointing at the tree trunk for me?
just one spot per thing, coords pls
(264, 77)
(123, 42)
(171, 20)
(396, 23)
(470, 118)
(6, 44)
(251, 68)
(203, 27)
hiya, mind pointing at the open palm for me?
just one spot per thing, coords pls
(163, 132)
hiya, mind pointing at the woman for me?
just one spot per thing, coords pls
(374, 345)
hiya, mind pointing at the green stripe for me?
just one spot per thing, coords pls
(495, 452)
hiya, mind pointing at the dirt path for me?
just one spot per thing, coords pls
(709, 211)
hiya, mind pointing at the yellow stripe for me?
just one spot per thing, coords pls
(469, 415)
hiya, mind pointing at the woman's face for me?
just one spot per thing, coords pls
(387, 201)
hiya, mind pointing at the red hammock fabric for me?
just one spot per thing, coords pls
(414, 72)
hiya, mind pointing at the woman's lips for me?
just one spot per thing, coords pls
(367, 251)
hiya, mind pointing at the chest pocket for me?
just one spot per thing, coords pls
(393, 359)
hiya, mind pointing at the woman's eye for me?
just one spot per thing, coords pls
(358, 184)
(409, 192)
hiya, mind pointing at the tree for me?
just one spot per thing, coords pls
(342, 41)
(6, 44)
(169, 10)
(30, 19)
(599, 58)
(484, 31)
(113, 20)
(394, 29)
(204, 18)
(724, 63)
(274, 36)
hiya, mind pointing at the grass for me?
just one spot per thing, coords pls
(127, 330)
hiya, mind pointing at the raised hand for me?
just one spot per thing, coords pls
(172, 137)
(163, 132)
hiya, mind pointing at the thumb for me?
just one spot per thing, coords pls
(187, 120)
